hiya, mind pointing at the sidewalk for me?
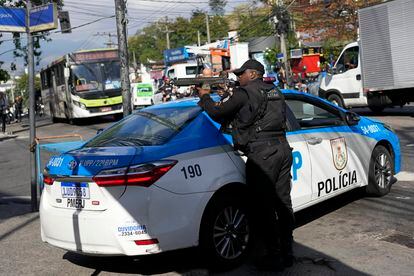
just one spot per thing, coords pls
(14, 128)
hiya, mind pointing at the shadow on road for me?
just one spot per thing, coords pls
(11, 206)
(190, 261)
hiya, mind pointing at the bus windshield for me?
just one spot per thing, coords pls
(96, 76)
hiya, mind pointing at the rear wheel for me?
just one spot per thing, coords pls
(381, 170)
(336, 100)
(225, 232)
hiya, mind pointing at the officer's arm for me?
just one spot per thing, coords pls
(224, 110)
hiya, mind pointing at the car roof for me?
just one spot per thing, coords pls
(189, 102)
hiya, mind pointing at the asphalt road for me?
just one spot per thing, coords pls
(349, 235)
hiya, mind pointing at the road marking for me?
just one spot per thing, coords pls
(410, 145)
(405, 176)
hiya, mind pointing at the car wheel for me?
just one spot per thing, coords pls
(380, 174)
(336, 100)
(225, 235)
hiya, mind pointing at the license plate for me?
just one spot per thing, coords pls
(75, 190)
(105, 109)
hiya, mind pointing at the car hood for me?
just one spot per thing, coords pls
(90, 161)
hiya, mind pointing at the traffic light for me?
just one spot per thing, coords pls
(64, 21)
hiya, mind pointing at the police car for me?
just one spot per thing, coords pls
(166, 178)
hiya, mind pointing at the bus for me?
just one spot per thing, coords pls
(83, 84)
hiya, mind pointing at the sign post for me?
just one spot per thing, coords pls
(40, 18)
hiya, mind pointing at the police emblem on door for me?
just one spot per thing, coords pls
(339, 153)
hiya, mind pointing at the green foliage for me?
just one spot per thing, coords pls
(4, 76)
(332, 49)
(217, 6)
(251, 21)
(22, 89)
(150, 43)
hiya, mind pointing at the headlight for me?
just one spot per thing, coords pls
(81, 105)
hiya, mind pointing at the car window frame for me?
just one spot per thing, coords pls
(293, 121)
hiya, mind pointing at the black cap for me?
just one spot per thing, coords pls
(250, 64)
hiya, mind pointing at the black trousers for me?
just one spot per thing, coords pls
(3, 121)
(269, 182)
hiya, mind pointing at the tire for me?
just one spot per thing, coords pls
(381, 170)
(225, 234)
(335, 99)
(376, 108)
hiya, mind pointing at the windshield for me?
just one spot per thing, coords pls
(96, 76)
(146, 127)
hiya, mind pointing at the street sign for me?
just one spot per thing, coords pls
(175, 55)
(12, 20)
(43, 18)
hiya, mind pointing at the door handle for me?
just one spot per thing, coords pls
(314, 141)
(358, 77)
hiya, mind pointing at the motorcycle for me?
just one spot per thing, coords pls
(9, 116)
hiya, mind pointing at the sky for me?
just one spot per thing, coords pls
(140, 13)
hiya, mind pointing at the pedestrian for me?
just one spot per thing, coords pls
(18, 103)
(257, 112)
(4, 103)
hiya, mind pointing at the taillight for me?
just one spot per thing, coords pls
(138, 175)
(48, 180)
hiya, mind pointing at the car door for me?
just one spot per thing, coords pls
(347, 76)
(301, 193)
(335, 166)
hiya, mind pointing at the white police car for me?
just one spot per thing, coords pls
(165, 178)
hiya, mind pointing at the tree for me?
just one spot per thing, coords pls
(21, 50)
(217, 6)
(323, 19)
(251, 21)
(22, 89)
(150, 42)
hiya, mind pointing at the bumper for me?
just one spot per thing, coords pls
(109, 232)
(94, 112)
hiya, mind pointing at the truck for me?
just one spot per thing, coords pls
(377, 70)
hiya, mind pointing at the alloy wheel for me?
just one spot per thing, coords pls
(383, 171)
(231, 232)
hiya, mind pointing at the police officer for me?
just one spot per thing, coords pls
(257, 113)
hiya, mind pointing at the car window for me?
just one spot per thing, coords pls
(171, 74)
(146, 127)
(348, 60)
(312, 115)
(191, 70)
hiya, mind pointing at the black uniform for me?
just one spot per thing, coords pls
(269, 159)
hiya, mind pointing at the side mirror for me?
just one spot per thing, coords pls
(352, 118)
(99, 131)
(332, 70)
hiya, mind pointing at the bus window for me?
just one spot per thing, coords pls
(86, 77)
(111, 74)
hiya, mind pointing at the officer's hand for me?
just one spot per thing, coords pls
(202, 91)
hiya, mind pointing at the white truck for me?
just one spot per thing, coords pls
(378, 70)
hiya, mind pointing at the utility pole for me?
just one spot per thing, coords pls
(121, 23)
(282, 27)
(32, 121)
(198, 39)
(208, 29)
(167, 34)
(108, 44)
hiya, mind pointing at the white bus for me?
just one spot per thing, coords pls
(83, 84)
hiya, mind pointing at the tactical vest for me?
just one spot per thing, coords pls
(266, 122)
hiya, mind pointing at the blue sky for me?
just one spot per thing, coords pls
(140, 13)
